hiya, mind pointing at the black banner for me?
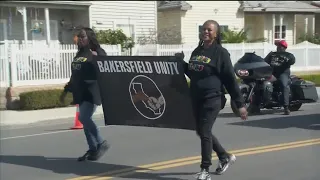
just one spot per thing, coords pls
(144, 91)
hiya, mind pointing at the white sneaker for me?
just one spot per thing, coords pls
(203, 175)
(224, 164)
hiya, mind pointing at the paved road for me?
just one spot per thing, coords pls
(48, 150)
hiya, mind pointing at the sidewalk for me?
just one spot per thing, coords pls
(9, 117)
(26, 117)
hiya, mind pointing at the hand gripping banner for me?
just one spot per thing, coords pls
(144, 91)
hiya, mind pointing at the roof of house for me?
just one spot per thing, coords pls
(166, 5)
(278, 6)
(88, 3)
(315, 3)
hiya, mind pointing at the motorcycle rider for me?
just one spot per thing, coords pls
(281, 61)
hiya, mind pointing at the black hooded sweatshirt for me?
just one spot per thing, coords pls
(83, 81)
(280, 62)
(209, 69)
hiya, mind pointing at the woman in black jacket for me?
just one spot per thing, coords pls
(84, 88)
(209, 69)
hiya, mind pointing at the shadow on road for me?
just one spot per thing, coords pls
(310, 122)
(263, 112)
(72, 166)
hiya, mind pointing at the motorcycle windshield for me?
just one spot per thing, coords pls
(255, 65)
(250, 58)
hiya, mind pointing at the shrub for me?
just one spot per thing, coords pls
(115, 37)
(312, 38)
(230, 36)
(43, 99)
(315, 78)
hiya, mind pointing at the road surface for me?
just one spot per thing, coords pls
(269, 146)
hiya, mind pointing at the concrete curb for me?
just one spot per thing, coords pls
(28, 117)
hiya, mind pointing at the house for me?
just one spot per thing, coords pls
(317, 16)
(272, 20)
(22, 21)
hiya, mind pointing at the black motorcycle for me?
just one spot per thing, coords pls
(260, 89)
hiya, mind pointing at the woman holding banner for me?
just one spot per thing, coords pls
(85, 91)
(209, 69)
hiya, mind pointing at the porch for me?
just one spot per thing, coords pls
(275, 26)
(277, 20)
(36, 22)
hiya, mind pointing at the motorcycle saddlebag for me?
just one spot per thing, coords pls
(304, 90)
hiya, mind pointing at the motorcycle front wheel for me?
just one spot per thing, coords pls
(249, 106)
(235, 110)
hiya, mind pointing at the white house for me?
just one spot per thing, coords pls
(22, 21)
(317, 16)
(272, 20)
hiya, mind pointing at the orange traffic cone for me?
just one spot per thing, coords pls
(77, 123)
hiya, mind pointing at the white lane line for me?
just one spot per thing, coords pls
(31, 135)
(40, 134)
(63, 131)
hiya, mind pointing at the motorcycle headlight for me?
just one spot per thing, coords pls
(243, 72)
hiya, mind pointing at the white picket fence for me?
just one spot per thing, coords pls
(4, 66)
(307, 54)
(39, 64)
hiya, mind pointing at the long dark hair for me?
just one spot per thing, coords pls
(92, 38)
(218, 37)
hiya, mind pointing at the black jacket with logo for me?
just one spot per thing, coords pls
(280, 62)
(83, 81)
(209, 70)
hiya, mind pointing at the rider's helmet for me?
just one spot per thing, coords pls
(282, 43)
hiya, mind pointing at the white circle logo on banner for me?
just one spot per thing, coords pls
(146, 97)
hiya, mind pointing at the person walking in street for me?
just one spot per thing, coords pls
(84, 88)
(281, 61)
(209, 69)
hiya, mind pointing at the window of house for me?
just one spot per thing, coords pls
(222, 29)
(128, 29)
(279, 35)
(3, 30)
(42, 36)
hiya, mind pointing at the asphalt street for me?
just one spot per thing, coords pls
(266, 147)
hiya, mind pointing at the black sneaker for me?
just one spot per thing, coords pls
(102, 149)
(88, 154)
(203, 175)
(286, 111)
(224, 164)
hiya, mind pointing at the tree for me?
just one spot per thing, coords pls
(163, 36)
(115, 37)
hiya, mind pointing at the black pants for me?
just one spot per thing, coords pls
(284, 79)
(206, 112)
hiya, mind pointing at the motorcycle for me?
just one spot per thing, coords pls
(260, 89)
